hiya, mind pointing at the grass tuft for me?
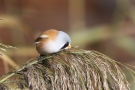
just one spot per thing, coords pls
(3, 47)
(74, 69)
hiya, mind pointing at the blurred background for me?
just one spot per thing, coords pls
(107, 26)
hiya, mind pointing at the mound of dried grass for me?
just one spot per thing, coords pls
(74, 69)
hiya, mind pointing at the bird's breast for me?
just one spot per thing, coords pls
(49, 47)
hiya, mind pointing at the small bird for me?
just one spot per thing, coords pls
(52, 41)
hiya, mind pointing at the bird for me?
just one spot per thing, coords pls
(52, 41)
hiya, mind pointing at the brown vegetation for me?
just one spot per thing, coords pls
(74, 69)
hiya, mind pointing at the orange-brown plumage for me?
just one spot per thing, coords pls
(52, 33)
(51, 41)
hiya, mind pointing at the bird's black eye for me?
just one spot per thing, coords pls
(65, 45)
(38, 39)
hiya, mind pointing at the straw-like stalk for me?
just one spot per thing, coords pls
(73, 69)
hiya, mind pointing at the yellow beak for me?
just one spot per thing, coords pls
(69, 47)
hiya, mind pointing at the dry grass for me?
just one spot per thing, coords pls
(4, 57)
(3, 46)
(74, 69)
